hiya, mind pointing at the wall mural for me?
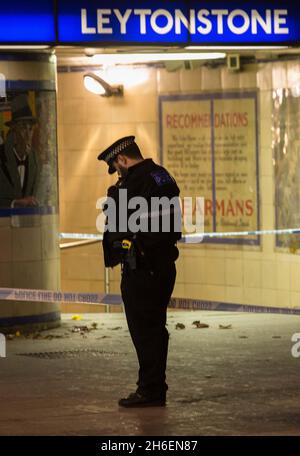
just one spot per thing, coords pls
(28, 168)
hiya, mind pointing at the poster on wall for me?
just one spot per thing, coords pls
(209, 142)
(286, 159)
(28, 168)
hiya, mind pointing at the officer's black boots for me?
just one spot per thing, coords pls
(139, 400)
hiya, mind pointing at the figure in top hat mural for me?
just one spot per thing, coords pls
(19, 168)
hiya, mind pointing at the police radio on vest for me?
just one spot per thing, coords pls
(198, 22)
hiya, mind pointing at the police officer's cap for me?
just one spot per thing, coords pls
(122, 145)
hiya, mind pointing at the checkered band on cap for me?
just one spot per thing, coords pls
(118, 148)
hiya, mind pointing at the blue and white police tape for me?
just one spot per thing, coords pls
(31, 295)
(195, 236)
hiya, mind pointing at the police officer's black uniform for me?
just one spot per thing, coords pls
(148, 278)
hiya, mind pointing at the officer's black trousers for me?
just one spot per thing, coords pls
(146, 297)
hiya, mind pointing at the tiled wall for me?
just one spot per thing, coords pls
(87, 124)
(29, 258)
(29, 253)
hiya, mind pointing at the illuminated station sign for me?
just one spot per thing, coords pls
(176, 22)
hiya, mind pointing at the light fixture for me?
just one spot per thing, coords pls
(24, 47)
(234, 48)
(97, 85)
(128, 59)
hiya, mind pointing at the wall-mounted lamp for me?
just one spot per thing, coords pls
(97, 85)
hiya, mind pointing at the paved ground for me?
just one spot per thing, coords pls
(235, 381)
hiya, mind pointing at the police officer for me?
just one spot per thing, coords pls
(148, 265)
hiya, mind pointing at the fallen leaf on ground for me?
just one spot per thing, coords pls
(80, 329)
(53, 336)
(180, 326)
(197, 324)
(225, 326)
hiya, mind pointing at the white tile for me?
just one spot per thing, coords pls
(264, 76)
(116, 131)
(82, 267)
(51, 274)
(27, 274)
(73, 111)
(233, 272)
(214, 272)
(211, 78)
(97, 110)
(209, 292)
(167, 81)
(295, 299)
(134, 108)
(267, 191)
(141, 81)
(252, 296)
(279, 75)
(6, 244)
(179, 291)
(268, 269)
(75, 138)
(6, 277)
(71, 84)
(283, 299)
(268, 298)
(229, 79)
(266, 162)
(294, 277)
(190, 80)
(283, 275)
(50, 242)
(60, 112)
(268, 245)
(234, 295)
(147, 140)
(26, 244)
(235, 253)
(21, 70)
(194, 270)
(267, 216)
(293, 73)
(4, 68)
(252, 274)
(81, 217)
(84, 163)
(248, 79)
(87, 137)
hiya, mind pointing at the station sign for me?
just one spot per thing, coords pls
(139, 22)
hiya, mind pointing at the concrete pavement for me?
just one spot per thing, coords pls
(235, 381)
